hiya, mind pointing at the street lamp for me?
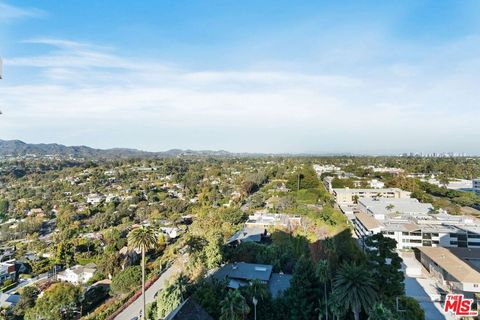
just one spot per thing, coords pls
(255, 301)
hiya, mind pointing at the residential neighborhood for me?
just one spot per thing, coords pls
(239, 160)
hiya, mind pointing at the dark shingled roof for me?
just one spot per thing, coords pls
(279, 283)
(247, 234)
(244, 271)
(189, 310)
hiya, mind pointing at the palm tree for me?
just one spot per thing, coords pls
(330, 246)
(355, 286)
(257, 289)
(142, 238)
(181, 285)
(234, 306)
(337, 309)
(380, 312)
(323, 276)
(172, 296)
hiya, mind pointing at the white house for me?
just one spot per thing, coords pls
(78, 274)
(375, 184)
(172, 233)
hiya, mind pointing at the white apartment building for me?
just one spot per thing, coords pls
(395, 171)
(413, 224)
(319, 169)
(476, 186)
(350, 196)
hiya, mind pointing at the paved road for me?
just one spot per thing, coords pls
(417, 288)
(133, 310)
(26, 282)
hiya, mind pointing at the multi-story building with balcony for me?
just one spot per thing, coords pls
(476, 186)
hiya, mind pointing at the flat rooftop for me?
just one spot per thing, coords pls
(367, 220)
(401, 205)
(352, 190)
(461, 263)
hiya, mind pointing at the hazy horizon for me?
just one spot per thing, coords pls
(269, 77)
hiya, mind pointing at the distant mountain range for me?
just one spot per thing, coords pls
(20, 148)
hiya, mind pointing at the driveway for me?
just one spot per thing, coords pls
(424, 290)
(133, 310)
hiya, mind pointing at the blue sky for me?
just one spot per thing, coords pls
(255, 76)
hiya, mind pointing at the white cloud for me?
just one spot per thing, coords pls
(9, 12)
(86, 94)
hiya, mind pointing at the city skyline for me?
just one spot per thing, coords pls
(370, 78)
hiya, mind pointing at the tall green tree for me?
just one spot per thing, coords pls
(127, 280)
(380, 312)
(60, 301)
(355, 286)
(234, 306)
(323, 276)
(303, 294)
(209, 294)
(385, 265)
(143, 238)
(28, 296)
(412, 309)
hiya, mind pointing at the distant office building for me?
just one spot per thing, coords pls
(394, 171)
(319, 169)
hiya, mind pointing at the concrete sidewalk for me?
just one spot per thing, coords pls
(133, 310)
